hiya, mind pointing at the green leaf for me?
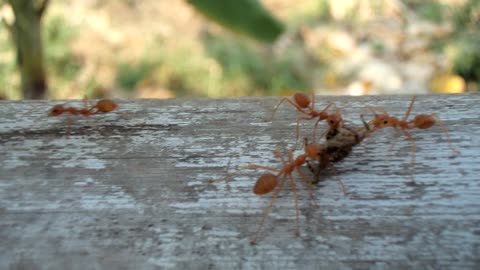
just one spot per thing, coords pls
(244, 16)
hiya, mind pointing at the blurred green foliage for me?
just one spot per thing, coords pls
(9, 81)
(431, 10)
(465, 55)
(462, 46)
(129, 75)
(62, 65)
(245, 65)
(58, 34)
(246, 16)
(219, 63)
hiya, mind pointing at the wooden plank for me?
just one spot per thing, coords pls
(131, 192)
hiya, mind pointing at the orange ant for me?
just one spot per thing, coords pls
(420, 121)
(267, 182)
(306, 105)
(102, 106)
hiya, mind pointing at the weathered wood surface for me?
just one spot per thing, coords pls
(131, 192)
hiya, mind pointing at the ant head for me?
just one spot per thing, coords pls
(56, 110)
(265, 184)
(334, 120)
(313, 150)
(106, 105)
(302, 100)
(382, 120)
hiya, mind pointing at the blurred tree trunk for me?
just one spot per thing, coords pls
(26, 33)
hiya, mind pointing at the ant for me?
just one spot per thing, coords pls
(420, 121)
(276, 178)
(306, 105)
(102, 106)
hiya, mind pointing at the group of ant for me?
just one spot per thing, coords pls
(338, 144)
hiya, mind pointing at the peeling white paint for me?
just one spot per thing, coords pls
(118, 200)
(85, 182)
(222, 233)
(381, 221)
(260, 124)
(14, 162)
(92, 163)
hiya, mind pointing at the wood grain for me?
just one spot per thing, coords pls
(131, 191)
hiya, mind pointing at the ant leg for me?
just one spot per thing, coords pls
(374, 110)
(250, 166)
(292, 183)
(407, 114)
(365, 125)
(324, 133)
(312, 103)
(309, 184)
(445, 130)
(268, 209)
(290, 157)
(279, 154)
(316, 173)
(298, 128)
(87, 103)
(412, 162)
(395, 140)
(339, 180)
(295, 196)
(69, 124)
(314, 135)
(328, 106)
(254, 166)
(287, 99)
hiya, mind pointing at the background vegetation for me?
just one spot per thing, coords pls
(161, 49)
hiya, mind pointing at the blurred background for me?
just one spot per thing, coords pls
(67, 49)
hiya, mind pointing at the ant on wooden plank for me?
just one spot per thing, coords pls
(420, 121)
(102, 106)
(306, 106)
(267, 182)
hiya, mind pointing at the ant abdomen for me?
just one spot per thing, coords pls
(266, 183)
(302, 100)
(424, 121)
(106, 105)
